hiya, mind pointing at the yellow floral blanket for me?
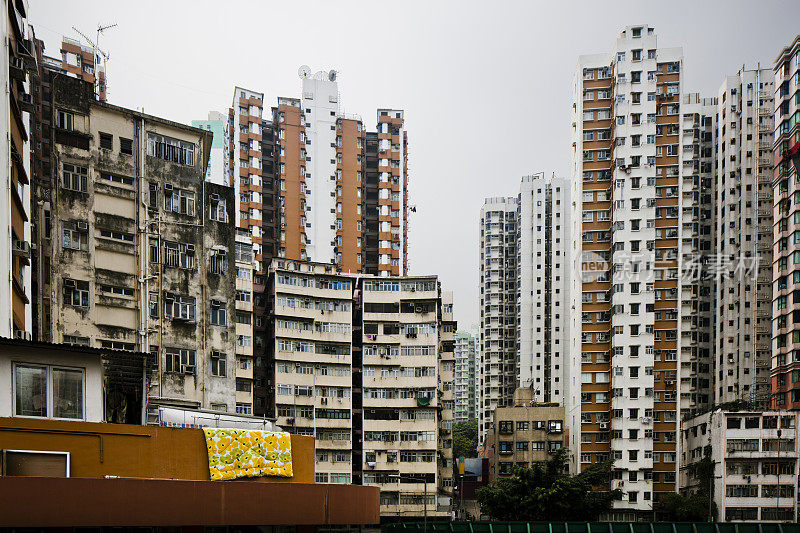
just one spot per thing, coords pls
(235, 453)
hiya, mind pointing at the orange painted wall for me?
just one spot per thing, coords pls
(97, 450)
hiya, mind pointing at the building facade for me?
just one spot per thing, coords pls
(497, 370)
(139, 246)
(80, 61)
(544, 287)
(19, 69)
(366, 366)
(217, 124)
(744, 237)
(527, 292)
(526, 434)
(465, 377)
(626, 140)
(698, 247)
(754, 463)
(785, 368)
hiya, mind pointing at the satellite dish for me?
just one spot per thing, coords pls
(332, 75)
(304, 72)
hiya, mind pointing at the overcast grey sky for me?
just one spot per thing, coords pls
(485, 86)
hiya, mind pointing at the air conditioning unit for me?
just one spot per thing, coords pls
(215, 197)
(167, 186)
(190, 248)
(69, 283)
(603, 425)
(82, 225)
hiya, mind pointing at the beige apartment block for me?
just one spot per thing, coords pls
(138, 246)
(365, 364)
(526, 434)
(312, 361)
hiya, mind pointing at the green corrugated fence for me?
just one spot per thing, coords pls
(590, 527)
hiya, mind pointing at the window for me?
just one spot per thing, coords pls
(125, 146)
(116, 235)
(76, 293)
(218, 313)
(179, 255)
(216, 209)
(218, 364)
(170, 149)
(179, 360)
(75, 178)
(179, 307)
(76, 236)
(179, 200)
(106, 141)
(65, 120)
(117, 179)
(48, 391)
(116, 291)
(216, 261)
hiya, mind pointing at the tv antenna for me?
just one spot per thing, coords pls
(97, 50)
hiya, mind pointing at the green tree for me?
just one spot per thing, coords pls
(465, 439)
(675, 507)
(548, 493)
(694, 507)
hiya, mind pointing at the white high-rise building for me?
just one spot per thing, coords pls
(544, 275)
(697, 248)
(527, 265)
(626, 154)
(320, 106)
(745, 107)
(498, 277)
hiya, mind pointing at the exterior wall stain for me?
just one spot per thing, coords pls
(141, 249)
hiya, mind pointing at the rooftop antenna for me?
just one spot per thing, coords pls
(95, 50)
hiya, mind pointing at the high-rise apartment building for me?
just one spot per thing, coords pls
(786, 154)
(245, 129)
(365, 364)
(341, 193)
(527, 275)
(744, 237)
(465, 375)
(312, 184)
(698, 250)
(217, 124)
(497, 368)
(543, 287)
(139, 247)
(626, 153)
(18, 69)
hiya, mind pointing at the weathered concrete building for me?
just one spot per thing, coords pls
(137, 249)
(525, 434)
(753, 457)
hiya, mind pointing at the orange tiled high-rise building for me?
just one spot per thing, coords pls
(312, 184)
